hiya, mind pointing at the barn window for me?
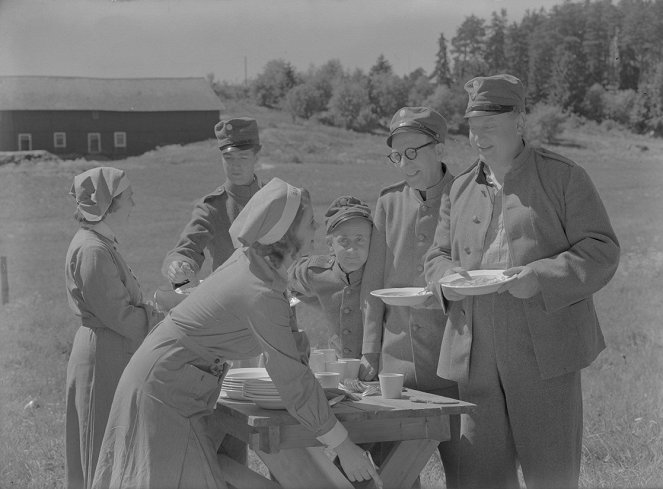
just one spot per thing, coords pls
(93, 142)
(120, 138)
(59, 139)
(25, 142)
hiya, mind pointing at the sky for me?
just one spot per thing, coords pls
(233, 39)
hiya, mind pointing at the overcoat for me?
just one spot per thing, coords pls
(113, 320)
(556, 223)
(408, 339)
(156, 435)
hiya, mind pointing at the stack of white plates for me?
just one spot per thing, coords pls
(263, 392)
(233, 383)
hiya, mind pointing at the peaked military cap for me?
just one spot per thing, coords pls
(421, 119)
(240, 133)
(345, 208)
(490, 95)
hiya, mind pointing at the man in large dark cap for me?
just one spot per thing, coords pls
(212, 216)
(400, 338)
(517, 353)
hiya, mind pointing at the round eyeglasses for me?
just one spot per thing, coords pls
(410, 153)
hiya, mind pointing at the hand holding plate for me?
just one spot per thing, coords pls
(524, 286)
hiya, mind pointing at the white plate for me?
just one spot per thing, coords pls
(483, 282)
(240, 374)
(234, 395)
(402, 296)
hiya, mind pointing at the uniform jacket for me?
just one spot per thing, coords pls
(320, 278)
(556, 223)
(403, 230)
(208, 228)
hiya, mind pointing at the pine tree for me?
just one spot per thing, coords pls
(442, 72)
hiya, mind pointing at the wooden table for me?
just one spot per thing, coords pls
(297, 460)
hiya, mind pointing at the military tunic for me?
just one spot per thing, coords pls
(105, 296)
(408, 339)
(208, 228)
(319, 278)
(156, 435)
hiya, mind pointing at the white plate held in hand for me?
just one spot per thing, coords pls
(403, 296)
(481, 282)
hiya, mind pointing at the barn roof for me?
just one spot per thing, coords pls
(111, 94)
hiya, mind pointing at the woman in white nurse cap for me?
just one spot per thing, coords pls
(239, 311)
(111, 314)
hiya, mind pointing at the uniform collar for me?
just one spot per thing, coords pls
(435, 192)
(518, 163)
(242, 191)
(351, 278)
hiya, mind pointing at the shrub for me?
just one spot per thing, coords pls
(304, 100)
(544, 124)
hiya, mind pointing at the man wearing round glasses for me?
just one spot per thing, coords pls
(398, 338)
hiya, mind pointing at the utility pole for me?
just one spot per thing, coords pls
(245, 71)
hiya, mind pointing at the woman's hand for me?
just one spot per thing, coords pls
(180, 272)
(357, 464)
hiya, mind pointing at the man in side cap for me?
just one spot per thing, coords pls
(212, 216)
(517, 353)
(332, 282)
(400, 338)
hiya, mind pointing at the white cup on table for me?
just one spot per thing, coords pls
(338, 367)
(328, 380)
(316, 361)
(351, 367)
(391, 385)
(330, 354)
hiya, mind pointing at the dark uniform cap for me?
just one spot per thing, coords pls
(490, 95)
(345, 208)
(241, 133)
(421, 119)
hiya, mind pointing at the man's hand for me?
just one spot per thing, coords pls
(524, 286)
(368, 368)
(180, 272)
(450, 294)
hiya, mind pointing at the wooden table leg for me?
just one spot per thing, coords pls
(405, 462)
(304, 468)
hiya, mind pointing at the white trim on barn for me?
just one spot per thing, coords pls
(93, 142)
(120, 139)
(59, 139)
(24, 137)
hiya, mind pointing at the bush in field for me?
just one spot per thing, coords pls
(592, 105)
(305, 100)
(349, 106)
(544, 124)
(272, 85)
(447, 101)
(617, 105)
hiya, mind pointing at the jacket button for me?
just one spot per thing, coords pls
(217, 360)
(346, 331)
(468, 250)
(416, 327)
(476, 220)
(347, 310)
(421, 237)
(346, 350)
(420, 268)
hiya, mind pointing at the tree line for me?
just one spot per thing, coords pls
(595, 59)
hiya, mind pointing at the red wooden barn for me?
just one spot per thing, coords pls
(104, 117)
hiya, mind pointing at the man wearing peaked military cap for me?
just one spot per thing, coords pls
(239, 142)
(332, 282)
(398, 338)
(537, 216)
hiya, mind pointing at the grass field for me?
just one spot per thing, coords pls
(623, 443)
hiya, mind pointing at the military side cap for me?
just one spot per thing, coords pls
(421, 119)
(345, 208)
(490, 95)
(241, 133)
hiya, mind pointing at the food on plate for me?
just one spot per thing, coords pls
(477, 281)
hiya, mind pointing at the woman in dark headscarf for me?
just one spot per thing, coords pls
(114, 318)
(156, 435)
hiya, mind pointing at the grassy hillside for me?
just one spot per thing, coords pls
(623, 397)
